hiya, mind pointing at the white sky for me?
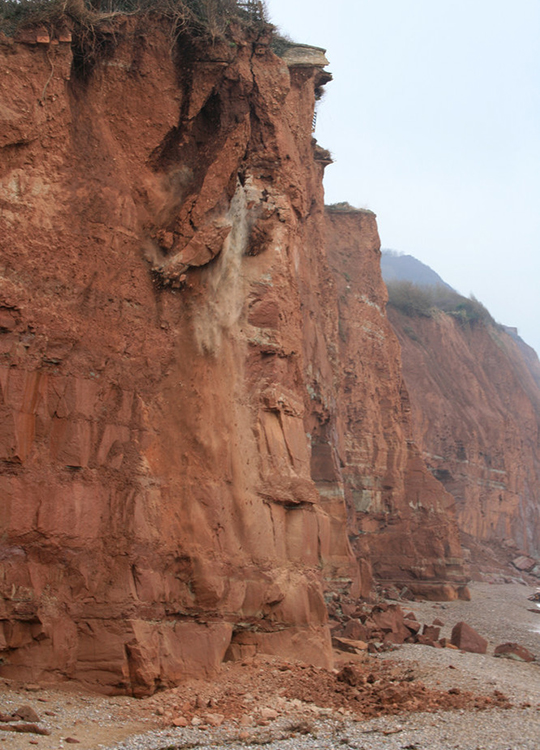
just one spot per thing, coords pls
(433, 119)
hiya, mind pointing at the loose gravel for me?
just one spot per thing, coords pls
(514, 729)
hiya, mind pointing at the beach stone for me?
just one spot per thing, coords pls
(268, 714)
(351, 676)
(215, 720)
(180, 721)
(514, 651)
(355, 631)
(424, 640)
(432, 632)
(412, 625)
(26, 713)
(467, 639)
(348, 646)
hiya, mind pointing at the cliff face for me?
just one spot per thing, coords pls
(476, 415)
(401, 519)
(161, 277)
(173, 440)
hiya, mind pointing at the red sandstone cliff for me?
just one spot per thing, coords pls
(475, 399)
(161, 275)
(171, 385)
(401, 519)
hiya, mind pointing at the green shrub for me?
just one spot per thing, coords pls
(423, 301)
(410, 299)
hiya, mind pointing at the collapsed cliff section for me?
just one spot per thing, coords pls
(476, 416)
(401, 519)
(163, 345)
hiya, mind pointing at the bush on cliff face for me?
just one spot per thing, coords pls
(411, 300)
(423, 301)
(205, 17)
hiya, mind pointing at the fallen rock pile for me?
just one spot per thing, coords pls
(359, 627)
(363, 689)
(379, 627)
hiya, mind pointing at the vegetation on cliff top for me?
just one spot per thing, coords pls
(201, 17)
(424, 301)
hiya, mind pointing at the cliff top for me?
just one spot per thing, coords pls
(199, 17)
(345, 207)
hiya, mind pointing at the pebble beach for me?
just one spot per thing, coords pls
(264, 715)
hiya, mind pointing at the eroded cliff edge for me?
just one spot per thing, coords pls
(171, 386)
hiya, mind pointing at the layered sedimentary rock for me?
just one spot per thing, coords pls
(476, 414)
(401, 519)
(175, 453)
(162, 272)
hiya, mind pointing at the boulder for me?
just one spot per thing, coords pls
(355, 630)
(514, 651)
(351, 676)
(348, 645)
(424, 640)
(413, 626)
(389, 619)
(269, 714)
(432, 632)
(348, 609)
(26, 713)
(180, 721)
(524, 563)
(467, 639)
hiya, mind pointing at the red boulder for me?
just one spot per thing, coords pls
(514, 651)
(467, 639)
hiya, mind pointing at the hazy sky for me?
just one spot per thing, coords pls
(433, 119)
